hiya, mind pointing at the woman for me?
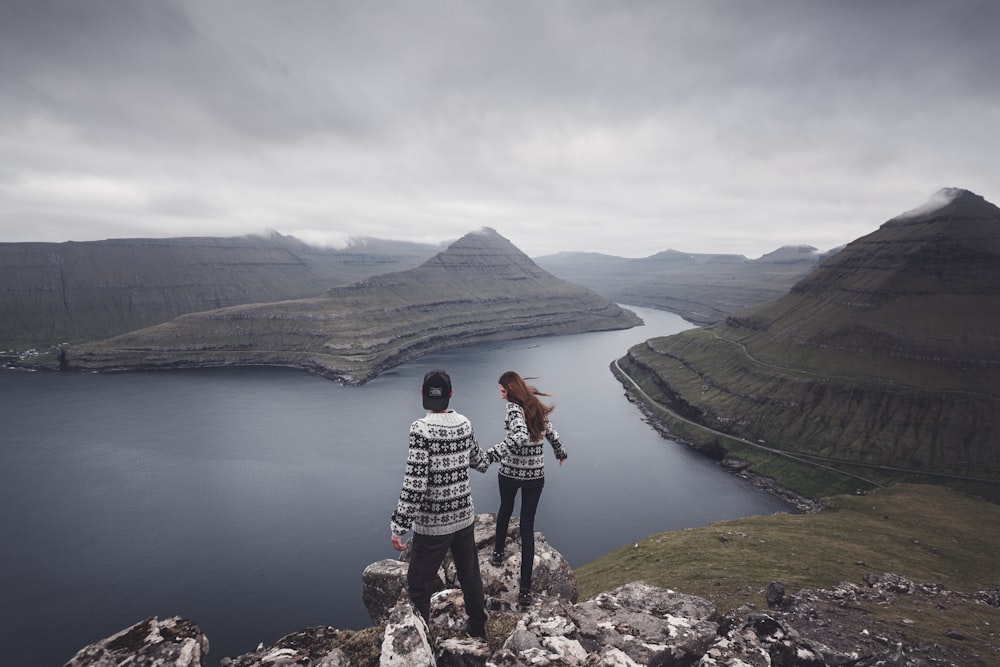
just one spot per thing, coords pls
(522, 466)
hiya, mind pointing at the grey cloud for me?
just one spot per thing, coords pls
(698, 122)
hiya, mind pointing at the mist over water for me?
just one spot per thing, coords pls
(251, 500)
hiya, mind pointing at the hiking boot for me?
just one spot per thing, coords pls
(497, 558)
(524, 598)
(477, 633)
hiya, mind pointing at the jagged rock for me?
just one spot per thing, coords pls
(405, 642)
(312, 647)
(521, 640)
(172, 642)
(775, 593)
(634, 624)
(551, 575)
(649, 624)
(830, 627)
(760, 636)
(384, 581)
(990, 597)
(610, 656)
(462, 652)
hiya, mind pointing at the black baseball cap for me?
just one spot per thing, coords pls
(436, 390)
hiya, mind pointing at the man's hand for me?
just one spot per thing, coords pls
(397, 543)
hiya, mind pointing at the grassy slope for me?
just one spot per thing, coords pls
(929, 534)
(836, 418)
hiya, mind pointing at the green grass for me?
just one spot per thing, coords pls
(690, 408)
(929, 534)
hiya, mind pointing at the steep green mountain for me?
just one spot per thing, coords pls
(702, 288)
(481, 288)
(883, 361)
(52, 293)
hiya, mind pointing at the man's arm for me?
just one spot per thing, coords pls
(477, 458)
(414, 486)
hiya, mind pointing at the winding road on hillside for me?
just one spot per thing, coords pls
(807, 459)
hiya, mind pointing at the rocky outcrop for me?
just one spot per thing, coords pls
(632, 625)
(384, 581)
(481, 288)
(172, 642)
(52, 293)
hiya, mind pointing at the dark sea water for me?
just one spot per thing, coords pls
(251, 500)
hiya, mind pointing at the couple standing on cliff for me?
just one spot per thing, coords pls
(436, 500)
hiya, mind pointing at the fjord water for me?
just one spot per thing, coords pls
(251, 500)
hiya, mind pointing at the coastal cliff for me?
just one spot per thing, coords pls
(53, 293)
(637, 623)
(482, 288)
(880, 364)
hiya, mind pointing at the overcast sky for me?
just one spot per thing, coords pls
(622, 127)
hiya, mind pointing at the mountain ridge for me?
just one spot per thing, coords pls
(480, 288)
(886, 356)
(703, 288)
(52, 293)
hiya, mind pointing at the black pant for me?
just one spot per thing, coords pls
(531, 491)
(428, 552)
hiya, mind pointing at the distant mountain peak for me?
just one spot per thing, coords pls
(946, 201)
(483, 252)
(790, 253)
(949, 245)
(886, 353)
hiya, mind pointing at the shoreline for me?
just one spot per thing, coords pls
(734, 466)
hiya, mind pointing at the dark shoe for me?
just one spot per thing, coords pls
(477, 633)
(524, 598)
(497, 559)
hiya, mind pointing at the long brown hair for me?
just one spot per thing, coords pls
(522, 393)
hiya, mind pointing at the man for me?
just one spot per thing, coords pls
(436, 502)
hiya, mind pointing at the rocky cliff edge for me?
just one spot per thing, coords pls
(634, 624)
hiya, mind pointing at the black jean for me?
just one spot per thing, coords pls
(428, 552)
(531, 491)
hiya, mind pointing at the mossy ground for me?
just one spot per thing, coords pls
(930, 534)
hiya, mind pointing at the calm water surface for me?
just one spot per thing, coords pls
(251, 500)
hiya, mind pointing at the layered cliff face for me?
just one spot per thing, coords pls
(52, 293)
(888, 354)
(702, 288)
(481, 288)
(923, 287)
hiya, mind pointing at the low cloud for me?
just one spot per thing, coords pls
(624, 128)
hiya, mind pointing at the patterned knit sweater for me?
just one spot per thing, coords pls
(519, 457)
(437, 497)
